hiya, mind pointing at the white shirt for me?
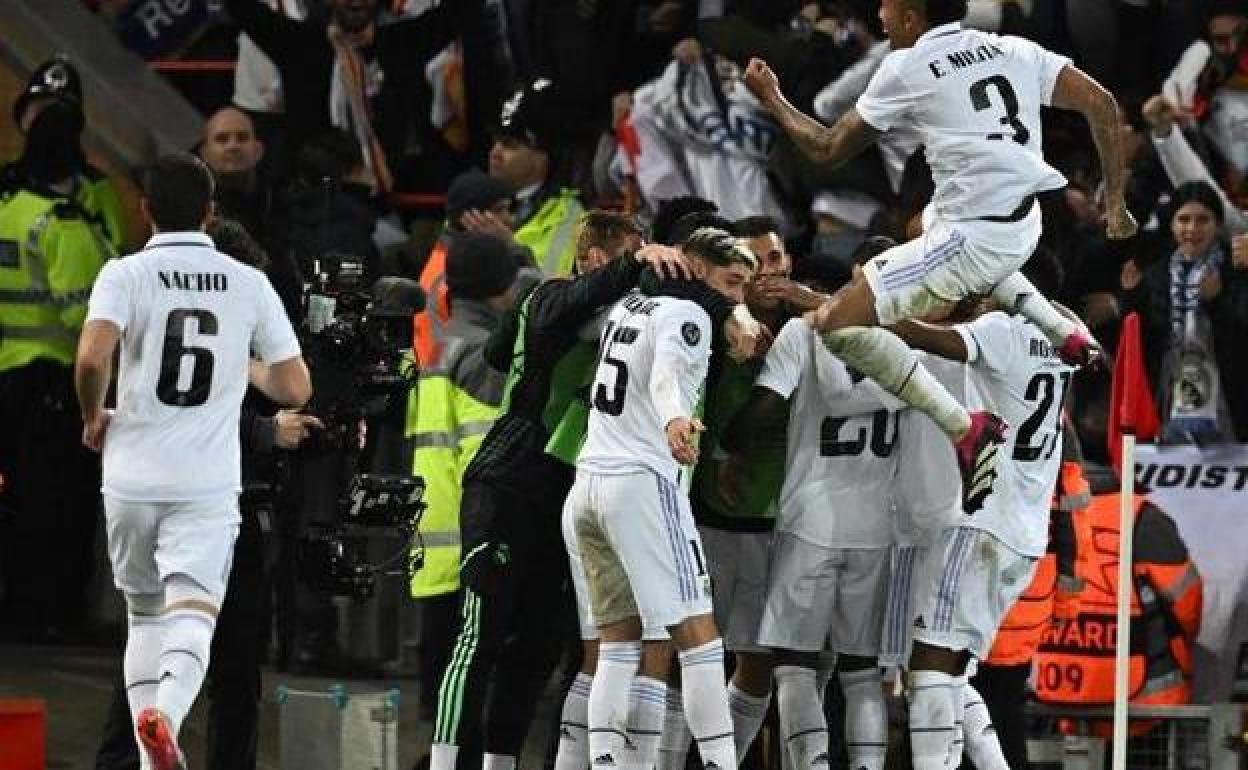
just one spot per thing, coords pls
(1017, 374)
(841, 457)
(651, 369)
(975, 99)
(189, 317)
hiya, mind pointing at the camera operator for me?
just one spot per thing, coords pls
(234, 677)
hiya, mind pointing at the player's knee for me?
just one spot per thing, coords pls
(656, 658)
(795, 658)
(626, 630)
(694, 631)
(145, 605)
(929, 657)
(589, 656)
(753, 672)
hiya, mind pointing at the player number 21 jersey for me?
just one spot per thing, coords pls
(651, 369)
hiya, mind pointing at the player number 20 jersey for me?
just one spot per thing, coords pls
(651, 369)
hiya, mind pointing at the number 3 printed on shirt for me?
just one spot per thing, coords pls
(981, 100)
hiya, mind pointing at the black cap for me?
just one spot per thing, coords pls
(474, 189)
(56, 78)
(533, 114)
(480, 266)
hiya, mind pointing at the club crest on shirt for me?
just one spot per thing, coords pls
(692, 334)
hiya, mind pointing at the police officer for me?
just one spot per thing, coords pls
(524, 156)
(49, 113)
(54, 237)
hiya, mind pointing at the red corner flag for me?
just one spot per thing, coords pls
(1131, 407)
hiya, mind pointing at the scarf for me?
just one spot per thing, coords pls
(1195, 407)
(348, 105)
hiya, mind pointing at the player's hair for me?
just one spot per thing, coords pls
(718, 247)
(602, 228)
(939, 12)
(178, 189)
(1045, 272)
(755, 227)
(673, 209)
(232, 239)
(686, 225)
(1215, 8)
(872, 247)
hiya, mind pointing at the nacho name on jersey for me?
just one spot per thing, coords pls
(179, 281)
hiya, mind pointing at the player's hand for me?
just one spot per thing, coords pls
(682, 439)
(1119, 224)
(746, 337)
(292, 428)
(777, 287)
(820, 319)
(94, 427)
(761, 81)
(668, 262)
(485, 223)
(1210, 286)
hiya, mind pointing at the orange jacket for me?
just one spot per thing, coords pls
(429, 325)
(1076, 657)
(1024, 625)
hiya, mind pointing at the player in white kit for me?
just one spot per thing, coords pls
(977, 569)
(975, 100)
(829, 568)
(187, 319)
(630, 519)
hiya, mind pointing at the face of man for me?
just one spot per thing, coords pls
(354, 15)
(729, 280)
(1224, 32)
(773, 260)
(516, 163)
(230, 145)
(902, 24)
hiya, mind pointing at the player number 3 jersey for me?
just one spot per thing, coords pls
(651, 369)
(189, 318)
(975, 100)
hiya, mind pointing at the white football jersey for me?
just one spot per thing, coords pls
(652, 366)
(1018, 375)
(841, 456)
(975, 99)
(189, 318)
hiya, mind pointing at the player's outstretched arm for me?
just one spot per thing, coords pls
(1077, 91)
(831, 146)
(938, 340)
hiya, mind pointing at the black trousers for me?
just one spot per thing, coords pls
(234, 678)
(516, 602)
(1005, 692)
(50, 505)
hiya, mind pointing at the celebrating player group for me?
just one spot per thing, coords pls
(893, 545)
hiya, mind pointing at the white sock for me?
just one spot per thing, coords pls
(866, 718)
(141, 668)
(674, 743)
(442, 756)
(573, 751)
(882, 356)
(706, 704)
(498, 762)
(932, 716)
(1024, 298)
(608, 702)
(748, 712)
(981, 737)
(959, 739)
(645, 720)
(187, 641)
(803, 727)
